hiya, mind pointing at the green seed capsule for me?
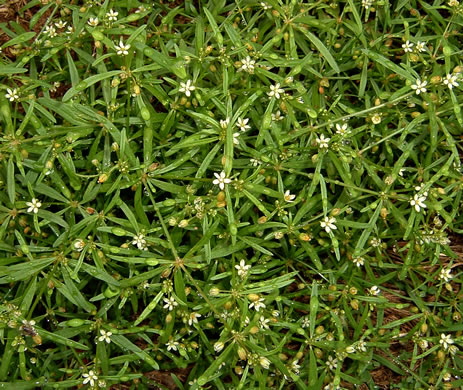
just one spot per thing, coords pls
(75, 322)
(169, 202)
(145, 114)
(233, 229)
(118, 231)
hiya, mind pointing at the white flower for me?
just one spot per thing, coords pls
(342, 129)
(89, 378)
(187, 88)
(264, 362)
(350, 349)
(218, 346)
(420, 46)
(322, 141)
(193, 318)
(328, 224)
(172, 345)
(139, 241)
(445, 275)
(236, 140)
(374, 290)
(93, 22)
(60, 24)
(305, 323)
(79, 245)
(221, 180)
(361, 346)
(376, 118)
(419, 86)
(453, 3)
(224, 123)
(295, 366)
(419, 188)
(255, 162)
(275, 90)
(50, 31)
(105, 336)
(358, 261)
(451, 81)
(242, 268)
(288, 197)
(242, 123)
(418, 202)
(122, 49)
(331, 363)
(170, 303)
(70, 30)
(408, 47)
(34, 205)
(366, 3)
(248, 65)
(259, 304)
(12, 94)
(112, 15)
(265, 6)
(445, 341)
(423, 344)
(263, 322)
(277, 117)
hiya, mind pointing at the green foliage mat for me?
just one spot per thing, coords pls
(230, 194)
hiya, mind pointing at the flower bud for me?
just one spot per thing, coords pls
(218, 346)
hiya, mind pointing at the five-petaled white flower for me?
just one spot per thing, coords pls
(193, 318)
(374, 290)
(331, 363)
(79, 245)
(418, 202)
(277, 116)
(275, 90)
(322, 141)
(187, 87)
(89, 378)
(93, 22)
(112, 15)
(172, 345)
(61, 24)
(255, 162)
(408, 47)
(263, 322)
(342, 129)
(248, 65)
(419, 86)
(105, 336)
(12, 94)
(122, 49)
(420, 46)
(242, 123)
(242, 268)
(50, 31)
(170, 303)
(258, 304)
(451, 81)
(139, 241)
(328, 224)
(34, 205)
(221, 180)
(445, 275)
(288, 197)
(358, 261)
(445, 340)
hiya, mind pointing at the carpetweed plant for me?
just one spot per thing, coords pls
(218, 194)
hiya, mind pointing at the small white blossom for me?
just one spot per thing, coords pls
(328, 224)
(361, 346)
(139, 241)
(277, 116)
(420, 46)
(445, 275)
(248, 65)
(79, 245)
(322, 141)
(70, 30)
(288, 197)
(12, 94)
(242, 123)
(453, 3)
(50, 31)
(418, 202)
(105, 336)
(305, 323)
(445, 341)
(367, 3)
(236, 140)
(221, 180)
(264, 362)
(93, 22)
(265, 6)
(423, 344)
(122, 49)
(255, 162)
(342, 129)
(358, 261)
(263, 322)
(171, 303)
(419, 86)
(187, 88)
(275, 91)
(331, 363)
(257, 305)
(242, 268)
(350, 349)
(218, 346)
(193, 318)
(374, 290)
(408, 47)
(112, 15)
(451, 81)
(34, 205)
(60, 24)
(224, 123)
(89, 378)
(172, 345)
